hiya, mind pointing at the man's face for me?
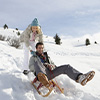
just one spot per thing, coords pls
(40, 48)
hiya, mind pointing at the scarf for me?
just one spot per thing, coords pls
(42, 57)
(33, 36)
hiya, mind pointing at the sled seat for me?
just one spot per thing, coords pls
(51, 86)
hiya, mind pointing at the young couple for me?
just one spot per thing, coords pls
(41, 64)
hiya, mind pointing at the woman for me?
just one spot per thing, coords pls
(32, 33)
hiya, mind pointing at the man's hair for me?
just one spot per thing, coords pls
(39, 43)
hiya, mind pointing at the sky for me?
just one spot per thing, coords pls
(64, 17)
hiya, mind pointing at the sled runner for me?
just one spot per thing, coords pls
(48, 84)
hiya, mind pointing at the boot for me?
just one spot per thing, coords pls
(84, 78)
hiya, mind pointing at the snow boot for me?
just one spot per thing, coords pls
(84, 78)
(25, 72)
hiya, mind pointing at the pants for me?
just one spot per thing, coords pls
(26, 54)
(63, 69)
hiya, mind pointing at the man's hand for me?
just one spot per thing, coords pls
(50, 66)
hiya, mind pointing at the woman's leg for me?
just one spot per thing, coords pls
(26, 57)
(64, 69)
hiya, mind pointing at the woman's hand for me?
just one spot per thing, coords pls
(32, 52)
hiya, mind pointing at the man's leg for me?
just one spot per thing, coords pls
(64, 69)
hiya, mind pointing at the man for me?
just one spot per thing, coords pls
(45, 70)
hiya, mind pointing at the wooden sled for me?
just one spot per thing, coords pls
(50, 88)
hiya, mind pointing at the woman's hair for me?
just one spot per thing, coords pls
(39, 30)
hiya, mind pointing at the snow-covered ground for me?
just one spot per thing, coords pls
(16, 86)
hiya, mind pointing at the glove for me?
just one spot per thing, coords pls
(32, 52)
(49, 66)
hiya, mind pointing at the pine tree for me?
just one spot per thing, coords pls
(18, 33)
(5, 26)
(87, 42)
(95, 42)
(57, 39)
(17, 29)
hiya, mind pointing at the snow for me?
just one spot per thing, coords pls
(14, 85)
(9, 32)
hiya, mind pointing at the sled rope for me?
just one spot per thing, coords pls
(55, 79)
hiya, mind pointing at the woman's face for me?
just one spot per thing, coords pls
(34, 28)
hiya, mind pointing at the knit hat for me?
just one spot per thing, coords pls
(35, 22)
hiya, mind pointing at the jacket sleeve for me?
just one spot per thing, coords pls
(41, 37)
(26, 39)
(27, 36)
(21, 37)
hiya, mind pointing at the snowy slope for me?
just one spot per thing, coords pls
(9, 32)
(16, 86)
